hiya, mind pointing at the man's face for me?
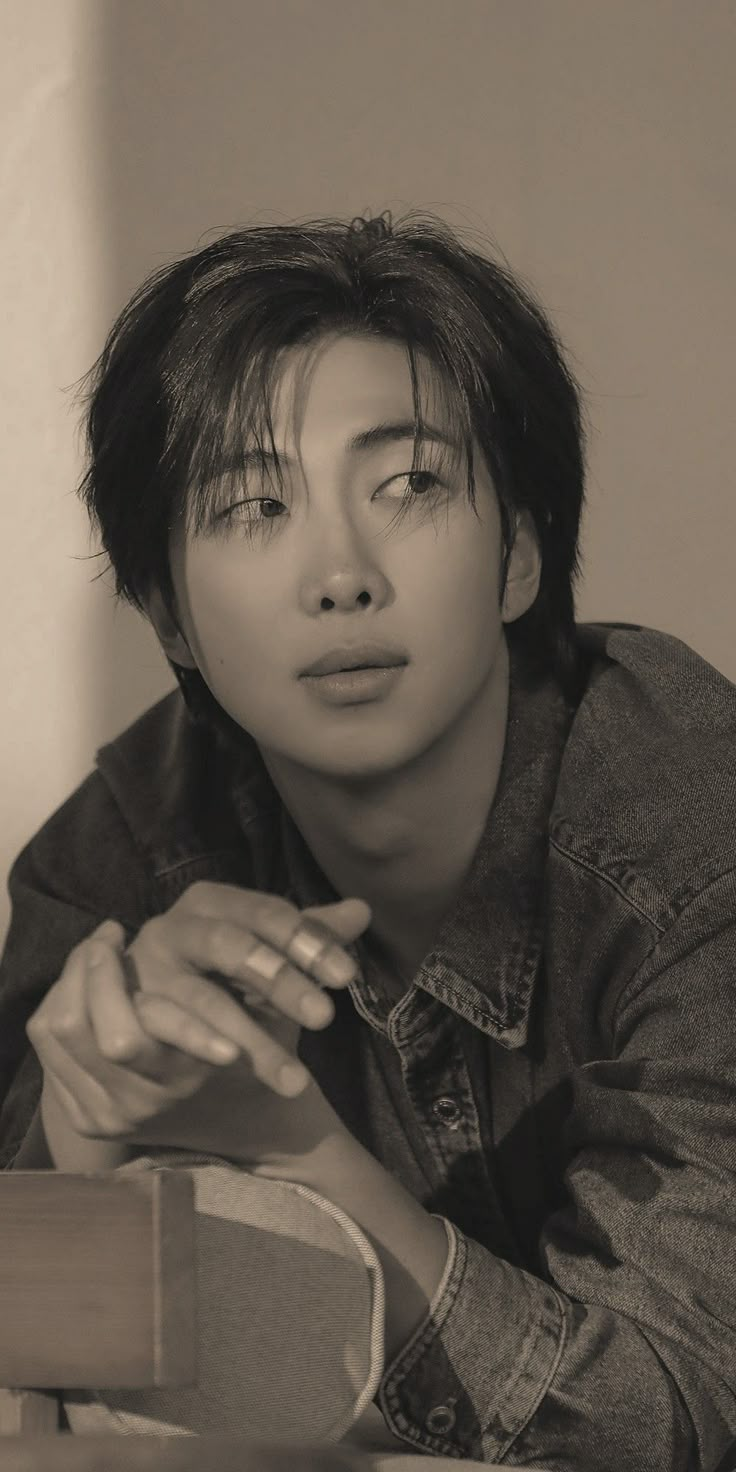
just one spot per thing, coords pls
(284, 574)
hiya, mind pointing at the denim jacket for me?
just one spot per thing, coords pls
(558, 1082)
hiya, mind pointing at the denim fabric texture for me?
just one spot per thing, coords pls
(559, 1080)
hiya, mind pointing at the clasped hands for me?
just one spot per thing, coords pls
(188, 1038)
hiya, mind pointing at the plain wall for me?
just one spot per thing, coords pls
(593, 143)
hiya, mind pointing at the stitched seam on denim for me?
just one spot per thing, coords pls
(402, 1365)
(605, 879)
(145, 851)
(444, 1297)
(201, 854)
(197, 858)
(628, 992)
(400, 1427)
(545, 1325)
(679, 900)
(479, 1014)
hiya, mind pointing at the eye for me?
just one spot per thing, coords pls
(270, 507)
(248, 511)
(416, 482)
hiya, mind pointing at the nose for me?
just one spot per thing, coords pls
(343, 575)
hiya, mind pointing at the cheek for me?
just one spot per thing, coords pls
(230, 616)
(450, 591)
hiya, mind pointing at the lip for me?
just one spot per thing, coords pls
(355, 656)
(356, 687)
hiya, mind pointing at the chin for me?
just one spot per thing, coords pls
(372, 755)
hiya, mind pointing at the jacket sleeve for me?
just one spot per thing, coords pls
(624, 1356)
(81, 868)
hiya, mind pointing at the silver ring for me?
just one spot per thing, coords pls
(307, 945)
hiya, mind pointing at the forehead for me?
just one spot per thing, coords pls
(342, 384)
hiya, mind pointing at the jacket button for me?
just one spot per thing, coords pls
(447, 1111)
(440, 1420)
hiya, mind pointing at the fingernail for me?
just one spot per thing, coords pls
(315, 1008)
(293, 1077)
(341, 968)
(109, 930)
(222, 1050)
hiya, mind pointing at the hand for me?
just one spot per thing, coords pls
(144, 1045)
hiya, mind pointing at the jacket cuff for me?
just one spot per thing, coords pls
(474, 1372)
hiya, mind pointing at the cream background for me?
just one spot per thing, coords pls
(593, 141)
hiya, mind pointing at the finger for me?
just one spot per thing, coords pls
(207, 1001)
(266, 982)
(65, 1039)
(111, 931)
(114, 1021)
(214, 1001)
(309, 943)
(91, 1108)
(63, 1011)
(347, 919)
(271, 1063)
(78, 1117)
(172, 1025)
(205, 946)
(65, 1005)
(314, 946)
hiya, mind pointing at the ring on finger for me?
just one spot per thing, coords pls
(307, 944)
(267, 962)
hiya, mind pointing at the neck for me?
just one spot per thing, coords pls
(404, 840)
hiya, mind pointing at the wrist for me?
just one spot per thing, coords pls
(412, 1245)
(66, 1148)
(309, 1144)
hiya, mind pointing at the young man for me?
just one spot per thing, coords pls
(472, 861)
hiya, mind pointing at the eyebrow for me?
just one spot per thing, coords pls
(389, 433)
(401, 429)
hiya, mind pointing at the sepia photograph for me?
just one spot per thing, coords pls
(368, 918)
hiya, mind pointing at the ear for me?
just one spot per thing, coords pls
(170, 637)
(524, 571)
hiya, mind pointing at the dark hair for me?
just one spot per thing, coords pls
(189, 367)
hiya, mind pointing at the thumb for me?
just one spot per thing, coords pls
(347, 919)
(111, 931)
